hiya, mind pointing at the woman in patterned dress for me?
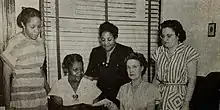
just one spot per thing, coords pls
(24, 56)
(176, 67)
(137, 94)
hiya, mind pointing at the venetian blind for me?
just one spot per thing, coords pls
(71, 26)
(78, 30)
(131, 16)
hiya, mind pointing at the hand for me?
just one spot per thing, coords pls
(103, 102)
(106, 103)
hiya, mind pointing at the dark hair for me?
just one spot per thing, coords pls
(108, 27)
(176, 27)
(26, 14)
(139, 57)
(69, 60)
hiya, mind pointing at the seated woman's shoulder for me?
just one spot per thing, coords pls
(151, 85)
(125, 85)
(60, 82)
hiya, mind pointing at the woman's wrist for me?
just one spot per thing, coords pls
(111, 106)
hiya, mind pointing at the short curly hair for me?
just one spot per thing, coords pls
(26, 14)
(108, 27)
(139, 57)
(176, 27)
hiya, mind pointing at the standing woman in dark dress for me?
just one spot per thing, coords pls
(106, 63)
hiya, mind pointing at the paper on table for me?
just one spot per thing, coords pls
(101, 102)
(88, 91)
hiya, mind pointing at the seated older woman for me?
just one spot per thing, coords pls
(67, 93)
(138, 94)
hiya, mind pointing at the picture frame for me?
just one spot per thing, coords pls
(211, 29)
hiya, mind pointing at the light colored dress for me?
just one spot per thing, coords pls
(146, 95)
(26, 56)
(172, 73)
(85, 93)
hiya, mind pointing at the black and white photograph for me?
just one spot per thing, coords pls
(109, 55)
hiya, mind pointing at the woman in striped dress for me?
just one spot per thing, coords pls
(24, 57)
(176, 67)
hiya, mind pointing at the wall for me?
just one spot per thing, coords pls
(195, 16)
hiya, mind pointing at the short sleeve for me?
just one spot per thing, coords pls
(120, 98)
(192, 55)
(119, 94)
(63, 89)
(56, 89)
(154, 56)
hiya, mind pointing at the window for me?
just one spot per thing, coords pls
(71, 26)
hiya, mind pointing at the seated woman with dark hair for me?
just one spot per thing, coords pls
(68, 92)
(137, 94)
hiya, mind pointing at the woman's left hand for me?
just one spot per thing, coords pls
(106, 103)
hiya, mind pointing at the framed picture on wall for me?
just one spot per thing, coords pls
(211, 29)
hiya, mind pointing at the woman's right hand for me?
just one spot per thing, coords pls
(106, 103)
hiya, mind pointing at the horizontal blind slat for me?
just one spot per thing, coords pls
(78, 29)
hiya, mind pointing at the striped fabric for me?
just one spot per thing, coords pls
(172, 71)
(26, 56)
